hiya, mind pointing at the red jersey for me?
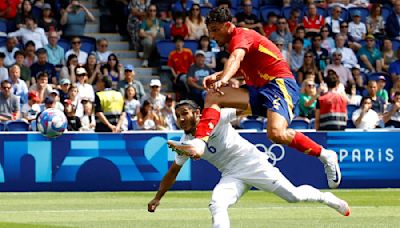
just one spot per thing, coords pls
(182, 31)
(313, 23)
(12, 6)
(263, 61)
(180, 61)
(268, 29)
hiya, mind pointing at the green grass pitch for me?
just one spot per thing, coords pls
(370, 208)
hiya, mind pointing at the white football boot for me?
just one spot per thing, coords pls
(331, 166)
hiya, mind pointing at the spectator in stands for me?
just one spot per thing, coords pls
(205, 46)
(109, 106)
(31, 32)
(365, 117)
(42, 65)
(155, 97)
(30, 53)
(301, 33)
(25, 71)
(150, 31)
(64, 88)
(282, 32)
(310, 67)
(132, 104)
(394, 68)
(55, 52)
(102, 52)
(270, 26)
(31, 109)
(42, 86)
(47, 21)
(349, 59)
(92, 68)
(327, 42)
(293, 20)
(18, 86)
(180, 59)
(67, 71)
(388, 54)
(382, 93)
(357, 29)
(352, 97)
(334, 20)
(135, 18)
(147, 118)
(119, 15)
(280, 43)
(88, 120)
(197, 72)
(223, 55)
(348, 40)
(113, 70)
(167, 116)
(24, 12)
(74, 19)
(9, 51)
(76, 49)
(393, 24)
(8, 9)
(370, 57)
(56, 96)
(179, 28)
(392, 117)
(247, 19)
(74, 122)
(196, 23)
(183, 6)
(73, 94)
(331, 109)
(84, 89)
(129, 80)
(3, 69)
(297, 55)
(344, 74)
(308, 99)
(358, 79)
(9, 103)
(312, 21)
(48, 102)
(375, 22)
(378, 104)
(321, 55)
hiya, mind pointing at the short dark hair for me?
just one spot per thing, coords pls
(316, 35)
(365, 98)
(397, 93)
(178, 38)
(106, 81)
(219, 15)
(42, 74)
(297, 39)
(224, 2)
(41, 51)
(2, 55)
(17, 53)
(5, 82)
(332, 80)
(30, 43)
(191, 104)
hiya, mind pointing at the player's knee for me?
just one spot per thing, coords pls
(277, 135)
(216, 206)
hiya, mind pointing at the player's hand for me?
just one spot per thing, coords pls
(152, 205)
(216, 86)
(210, 79)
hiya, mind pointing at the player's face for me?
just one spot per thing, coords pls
(219, 32)
(186, 119)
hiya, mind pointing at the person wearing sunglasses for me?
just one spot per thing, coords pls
(247, 19)
(334, 20)
(76, 49)
(344, 73)
(9, 103)
(196, 23)
(308, 99)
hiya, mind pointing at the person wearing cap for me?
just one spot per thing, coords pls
(109, 107)
(42, 86)
(42, 65)
(9, 103)
(370, 58)
(48, 103)
(56, 96)
(9, 50)
(357, 29)
(84, 88)
(344, 74)
(30, 32)
(3, 69)
(19, 87)
(55, 52)
(349, 59)
(30, 110)
(65, 84)
(197, 72)
(180, 59)
(382, 93)
(155, 97)
(129, 80)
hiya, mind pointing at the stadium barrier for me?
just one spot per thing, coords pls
(138, 161)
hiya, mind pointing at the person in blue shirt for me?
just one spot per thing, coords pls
(394, 68)
(55, 52)
(42, 65)
(370, 58)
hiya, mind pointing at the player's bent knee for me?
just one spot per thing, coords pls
(277, 135)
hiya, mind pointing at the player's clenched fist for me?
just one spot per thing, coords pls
(152, 205)
(210, 80)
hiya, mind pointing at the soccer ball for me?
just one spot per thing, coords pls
(52, 123)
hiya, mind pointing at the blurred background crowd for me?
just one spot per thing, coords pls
(120, 65)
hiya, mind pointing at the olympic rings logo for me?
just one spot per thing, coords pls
(274, 155)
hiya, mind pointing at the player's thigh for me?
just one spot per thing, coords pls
(266, 178)
(232, 98)
(228, 191)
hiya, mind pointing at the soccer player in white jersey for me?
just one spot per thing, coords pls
(242, 166)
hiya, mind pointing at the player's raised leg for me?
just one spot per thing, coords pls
(227, 192)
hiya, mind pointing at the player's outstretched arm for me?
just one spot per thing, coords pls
(232, 65)
(166, 183)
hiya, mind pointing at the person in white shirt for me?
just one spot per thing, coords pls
(102, 53)
(18, 86)
(365, 117)
(76, 49)
(334, 21)
(3, 70)
(242, 166)
(31, 32)
(155, 97)
(349, 59)
(85, 90)
(9, 51)
(357, 29)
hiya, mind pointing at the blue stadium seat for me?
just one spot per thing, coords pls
(33, 125)
(3, 26)
(364, 13)
(311, 125)
(255, 3)
(350, 124)
(350, 110)
(265, 10)
(164, 47)
(395, 45)
(213, 2)
(65, 44)
(36, 12)
(88, 44)
(257, 124)
(235, 3)
(299, 124)
(2, 126)
(17, 125)
(3, 41)
(386, 11)
(320, 11)
(344, 14)
(167, 29)
(204, 10)
(286, 13)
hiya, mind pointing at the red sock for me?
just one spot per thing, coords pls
(209, 119)
(305, 144)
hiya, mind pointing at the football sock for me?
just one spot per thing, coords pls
(208, 121)
(306, 145)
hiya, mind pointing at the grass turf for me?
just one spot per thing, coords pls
(370, 208)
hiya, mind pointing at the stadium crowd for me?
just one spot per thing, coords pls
(355, 44)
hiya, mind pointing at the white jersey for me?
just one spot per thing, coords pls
(227, 150)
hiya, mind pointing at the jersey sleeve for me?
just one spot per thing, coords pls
(241, 40)
(181, 159)
(227, 115)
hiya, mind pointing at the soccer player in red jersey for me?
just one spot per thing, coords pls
(270, 89)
